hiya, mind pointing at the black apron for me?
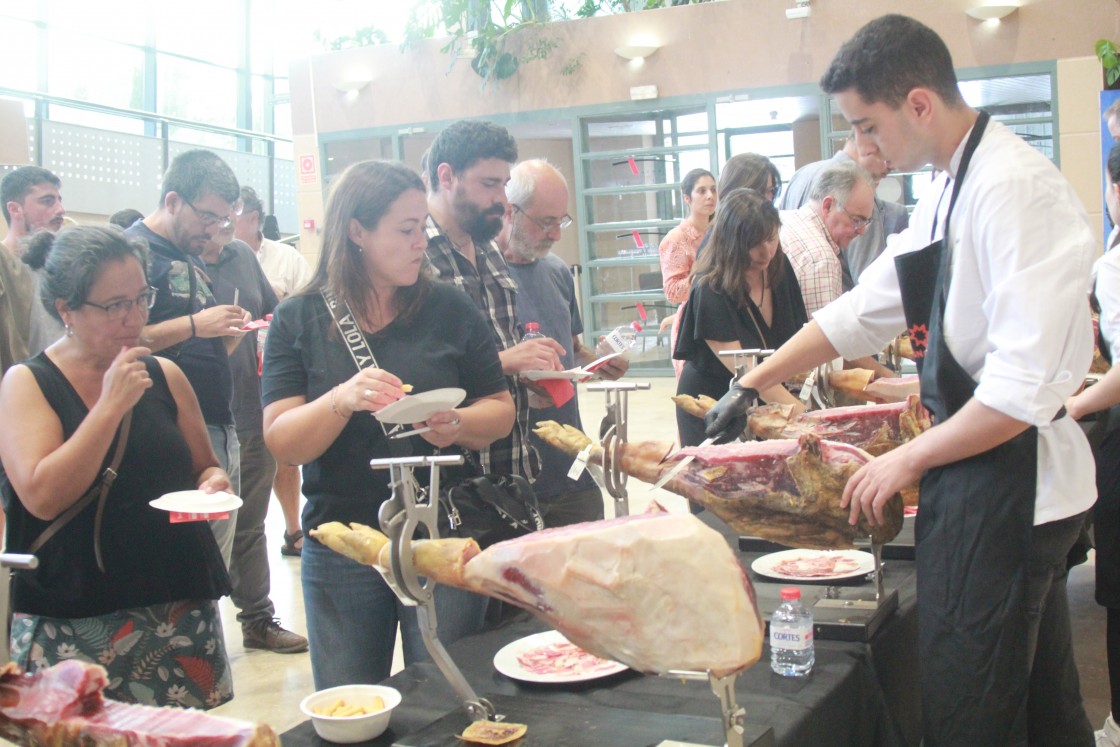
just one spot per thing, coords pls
(1106, 512)
(973, 534)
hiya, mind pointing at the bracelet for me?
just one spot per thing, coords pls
(334, 408)
(194, 332)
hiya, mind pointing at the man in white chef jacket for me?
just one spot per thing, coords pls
(997, 311)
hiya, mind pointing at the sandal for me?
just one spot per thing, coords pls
(290, 546)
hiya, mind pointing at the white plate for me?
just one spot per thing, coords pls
(416, 408)
(767, 564)
(197, 502)
(508, 661)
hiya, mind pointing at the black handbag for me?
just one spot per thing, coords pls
(490, 508)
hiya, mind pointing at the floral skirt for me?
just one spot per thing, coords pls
(164, 655)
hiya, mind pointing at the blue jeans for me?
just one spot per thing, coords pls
(223, 439)
(352, 618)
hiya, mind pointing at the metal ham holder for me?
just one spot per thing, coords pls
(734, 715)
(613, 436)
(9, 561)
(409, 508)
(834, 615)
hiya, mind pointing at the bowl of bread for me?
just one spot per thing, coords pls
(351, 713)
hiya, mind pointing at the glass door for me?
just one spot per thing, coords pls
(628, 170)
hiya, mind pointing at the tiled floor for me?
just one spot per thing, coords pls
(268, 687)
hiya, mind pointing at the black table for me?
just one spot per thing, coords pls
(857, 694)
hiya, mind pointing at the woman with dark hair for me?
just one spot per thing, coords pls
(318, 403)
(117, 584)
(678, 248)
(751, 171)
(744, 295)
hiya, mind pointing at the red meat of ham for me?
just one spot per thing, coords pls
(64, 705)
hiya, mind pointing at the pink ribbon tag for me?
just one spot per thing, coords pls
(638, 240)
(633, 165)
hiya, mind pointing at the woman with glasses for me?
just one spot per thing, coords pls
(117, 584)
(678, 248)
(744, 295)
(321, 389)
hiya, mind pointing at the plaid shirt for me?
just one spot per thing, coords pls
(492, 289)
(814, 255)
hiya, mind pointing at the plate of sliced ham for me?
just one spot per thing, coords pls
(549, 657)
(814, 565)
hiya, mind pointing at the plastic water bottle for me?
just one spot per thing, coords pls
(622, 339)
(791, 636)
(532, 332)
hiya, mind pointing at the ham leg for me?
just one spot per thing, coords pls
(786, 491)
(658, 592)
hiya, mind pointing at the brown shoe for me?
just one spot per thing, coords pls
(268, 635)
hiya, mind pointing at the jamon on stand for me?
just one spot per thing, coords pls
(658, 592)
(786, 491)
(63, 706)
(874, 428)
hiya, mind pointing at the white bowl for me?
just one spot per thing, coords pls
(350, 729)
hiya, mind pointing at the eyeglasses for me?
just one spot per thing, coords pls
(120, 309)
(212, 219)
(859, 222)
(546, 224)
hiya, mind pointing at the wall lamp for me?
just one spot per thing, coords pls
(637, 51)
(991, 11)
(352, 83)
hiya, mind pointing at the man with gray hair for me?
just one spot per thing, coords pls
(538, 209)
(888, 217)
(840, 206)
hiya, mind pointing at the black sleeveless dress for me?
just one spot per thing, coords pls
(148, 560)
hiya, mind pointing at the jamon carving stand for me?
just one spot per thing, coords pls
(613, 437)
(746, 359)
(733, 714)
(410, 508)
(8, 561)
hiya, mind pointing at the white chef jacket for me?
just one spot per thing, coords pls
(1106, 274)
(284, 266)
(1015, 318)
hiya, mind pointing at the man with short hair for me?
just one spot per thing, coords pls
(235, 273)
(30, 201)
(287, 271)
(996, 311)
(187, 324)
(886, 219)
(468, 168)
(839, 209)
(538, 200)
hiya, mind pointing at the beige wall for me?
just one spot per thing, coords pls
(721, 46)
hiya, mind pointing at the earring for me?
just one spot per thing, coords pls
(69, 331)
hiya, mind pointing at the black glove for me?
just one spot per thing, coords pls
(728, 419)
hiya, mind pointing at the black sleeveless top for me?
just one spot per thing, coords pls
(148, 560)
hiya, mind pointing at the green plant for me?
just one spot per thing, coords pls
(366, 36)
(1109, 56)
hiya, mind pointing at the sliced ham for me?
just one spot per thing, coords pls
(786, 491)
(657, 592)
(63, 706)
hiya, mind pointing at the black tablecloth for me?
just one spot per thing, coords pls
(857, 694)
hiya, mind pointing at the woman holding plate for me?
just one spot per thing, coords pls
(321, 384)
(117, 584)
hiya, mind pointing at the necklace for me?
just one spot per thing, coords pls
(762, 296)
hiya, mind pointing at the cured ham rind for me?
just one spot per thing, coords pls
(786, 491)
(442, 561)
(63, 706)
(658, 592)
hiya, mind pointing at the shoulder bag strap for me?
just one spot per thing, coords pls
(99, 490)
(352, 336)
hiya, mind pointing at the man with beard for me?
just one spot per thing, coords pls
(468, 168)
(538, 201)
(186, 324)
(30, 201)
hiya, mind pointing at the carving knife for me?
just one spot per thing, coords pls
(682, 464)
